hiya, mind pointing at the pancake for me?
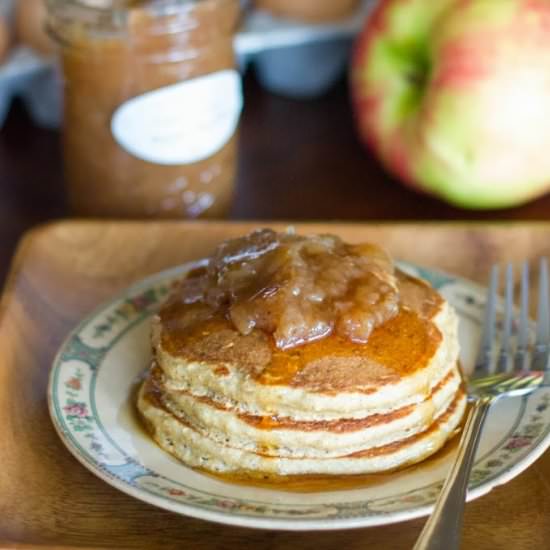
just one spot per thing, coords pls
(289, 437)
(201, 451)
(321, 380)
(380, 390)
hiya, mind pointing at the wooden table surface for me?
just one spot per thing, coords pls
(298, 160)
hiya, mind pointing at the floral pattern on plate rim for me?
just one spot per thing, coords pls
(73, 411)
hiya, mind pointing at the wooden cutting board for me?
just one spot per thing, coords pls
(63, 270)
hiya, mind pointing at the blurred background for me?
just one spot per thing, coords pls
(266, 110)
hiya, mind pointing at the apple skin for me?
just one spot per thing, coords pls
(454, 97)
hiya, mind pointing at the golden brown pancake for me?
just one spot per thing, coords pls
(379, 389)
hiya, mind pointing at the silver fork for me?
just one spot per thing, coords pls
(497, 374)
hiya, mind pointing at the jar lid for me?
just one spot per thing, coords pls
(152, 6)
(103, 18)
(105, 7)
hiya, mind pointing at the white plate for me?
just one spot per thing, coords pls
(94, 375)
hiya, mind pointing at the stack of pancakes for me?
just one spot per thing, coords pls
(226, 401)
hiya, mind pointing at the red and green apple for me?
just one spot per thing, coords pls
(454, 96)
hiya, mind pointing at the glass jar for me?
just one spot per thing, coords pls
(152, 103)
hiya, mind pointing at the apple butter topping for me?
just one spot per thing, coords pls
(298, 289)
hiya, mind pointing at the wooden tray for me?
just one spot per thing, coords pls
(62, 271)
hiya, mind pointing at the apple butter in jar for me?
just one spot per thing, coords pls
(152, 104)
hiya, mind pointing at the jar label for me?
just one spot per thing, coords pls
(181, 123)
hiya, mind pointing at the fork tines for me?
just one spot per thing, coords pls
(515, 325)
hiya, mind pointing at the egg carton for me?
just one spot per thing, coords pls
(293, 59)
(33, 79)
(36, 82)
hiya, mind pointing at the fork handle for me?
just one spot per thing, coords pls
(443, 528)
